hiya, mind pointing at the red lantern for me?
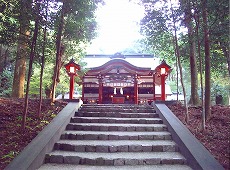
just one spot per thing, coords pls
(71, 69)
(163, 70)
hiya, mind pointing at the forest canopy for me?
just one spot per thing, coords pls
(49, 33)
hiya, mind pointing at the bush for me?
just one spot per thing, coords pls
(6, 81)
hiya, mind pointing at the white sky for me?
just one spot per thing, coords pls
(118, 23)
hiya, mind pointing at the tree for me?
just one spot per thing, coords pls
(207, 98)
(76, 25)
(197, 22)
(81, 30)
(177, 52)
(22, 49)
(59, 51)
(218, 17)
(186, 5)
(32, 54)
(43, 59)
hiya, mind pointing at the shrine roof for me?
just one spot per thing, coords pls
(138, 60)
(118, 64)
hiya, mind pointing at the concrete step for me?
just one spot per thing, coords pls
(115, 120)
(116, 146)
(116, 159)
(116, 127)
(115, 135)
(125, 167)
(117, 114)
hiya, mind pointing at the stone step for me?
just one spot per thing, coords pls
(115, 135)
(115, 120)
(117, 109)
(117, 114)
(116, 127)
(116, 105)
(125, 167)
(116, 159)
(115, 146)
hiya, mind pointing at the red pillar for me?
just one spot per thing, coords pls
(163, 87)
(135, 90)
(154, 88)
(71, 86)
(82, 91)
(100, 90)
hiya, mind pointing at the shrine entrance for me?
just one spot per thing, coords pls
(118, 81)
(118, 95)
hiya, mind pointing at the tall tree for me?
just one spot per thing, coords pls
(187, 6)
(76, 25)
(43, 58)
(197, 21)
(177, 52)
(207, 102)
(22, 49)
(32, 54)
(58, 47)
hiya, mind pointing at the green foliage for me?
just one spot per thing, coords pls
(80, 29)
(80, 21)
(11, 155)
(6, 79)
(220, 86)
(19, 118)
(157, 28)
(8, 21)
(35, 79)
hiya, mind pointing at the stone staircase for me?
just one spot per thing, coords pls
(115, 137)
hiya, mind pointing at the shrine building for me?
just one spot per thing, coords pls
(119, 81)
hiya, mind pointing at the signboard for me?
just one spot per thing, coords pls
(119, 84)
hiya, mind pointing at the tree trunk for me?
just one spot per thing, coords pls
(197, 20)
(22, 47)
(207, 98)
(42, 65)
(58, 49)
(179, 63)
(41, 75)
(20, 64)
(194, 99)
(32, 53)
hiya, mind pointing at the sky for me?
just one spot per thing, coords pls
(118, 26)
